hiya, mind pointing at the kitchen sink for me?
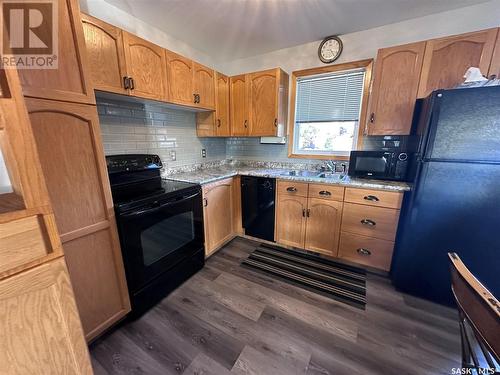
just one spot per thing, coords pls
(332, 176)
(301, 173)
(325, 175)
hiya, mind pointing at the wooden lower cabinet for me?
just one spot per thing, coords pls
(291, 220)
(372, 252)
(323, 226)
(218, 219)
(41, 329)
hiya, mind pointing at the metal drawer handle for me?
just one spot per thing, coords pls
(364, 252)
(291, 188)
(324, 192)
(368, 222)
(372, 198)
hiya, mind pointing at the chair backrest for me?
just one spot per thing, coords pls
(480, 309)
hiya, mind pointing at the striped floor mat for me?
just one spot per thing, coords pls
(327, 277)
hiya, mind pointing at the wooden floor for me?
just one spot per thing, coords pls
(231, 320)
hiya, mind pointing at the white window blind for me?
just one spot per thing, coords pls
(329, 97)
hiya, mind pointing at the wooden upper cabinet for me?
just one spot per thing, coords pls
(180, 79)
(145, 64)
(70, 81)
(447, 59)
(264, 103)
(218, 214)
(268, 96)
(239, 98)
(323, 226)
(105, 55)
(204, 86)
(394, 91)
(495, 60)
(216, 124)
(223, 127)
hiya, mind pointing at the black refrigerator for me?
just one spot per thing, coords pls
(454, 205)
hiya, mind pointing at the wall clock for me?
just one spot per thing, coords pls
(330, 49)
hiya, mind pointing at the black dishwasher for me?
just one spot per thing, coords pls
(257, 206)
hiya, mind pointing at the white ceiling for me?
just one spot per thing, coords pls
(231, 29)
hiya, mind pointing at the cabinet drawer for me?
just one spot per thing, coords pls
(370, 221)
(323, 191)
(388, 199)
(369, 251)
(292, 188)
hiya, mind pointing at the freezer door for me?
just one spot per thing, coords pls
(455, 207)
(465, 125)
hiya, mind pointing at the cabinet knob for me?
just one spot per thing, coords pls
(303, 212)
(131, 83)
(275, 122)
(291, 189)
(246, 123)
(126, 83)
(218, 122)
(371, 198)
(368, 222)
(364, 252)
(199, 98)
(372, 118)
(325, 193)
(308, 212)
(205, 202)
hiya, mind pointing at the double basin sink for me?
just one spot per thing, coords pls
(325, 175)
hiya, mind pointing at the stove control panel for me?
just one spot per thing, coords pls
(132, 162)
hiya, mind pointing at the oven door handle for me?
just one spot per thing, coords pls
(155, 209)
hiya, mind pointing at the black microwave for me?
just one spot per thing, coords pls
(380, 165)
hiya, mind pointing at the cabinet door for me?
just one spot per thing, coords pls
(41, 331)
(291, 220)
(223, 128)
(145, 63)
(180, 79)
(105, 54)
(395, 86)
(75, 171)
(70, 81)
(218, 214)
(447, 59)
(239, 96)
(323, 226)
(495, 60)
(204, 85)
(264, 103)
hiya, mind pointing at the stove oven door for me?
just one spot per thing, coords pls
(157, 237)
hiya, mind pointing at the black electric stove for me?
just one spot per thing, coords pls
(160, 223)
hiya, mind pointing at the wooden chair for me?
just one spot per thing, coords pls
(479, 318)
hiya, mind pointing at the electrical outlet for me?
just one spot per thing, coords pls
(173, 156)
(203, 153)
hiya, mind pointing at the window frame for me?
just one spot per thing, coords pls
(367, 65)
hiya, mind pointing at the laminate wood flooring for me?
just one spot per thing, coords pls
(232, 320)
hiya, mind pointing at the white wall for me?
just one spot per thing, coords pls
(364, 44)
(117, 17)
(5, 186)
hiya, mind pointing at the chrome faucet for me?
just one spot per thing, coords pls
(331, 165)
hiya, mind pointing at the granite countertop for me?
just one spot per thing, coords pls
(208, 175)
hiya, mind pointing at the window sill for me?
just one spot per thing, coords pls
(319, 156)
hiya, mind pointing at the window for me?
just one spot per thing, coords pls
(329, 105)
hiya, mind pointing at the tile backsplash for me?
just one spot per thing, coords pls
(145, 127)
(251, 149)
